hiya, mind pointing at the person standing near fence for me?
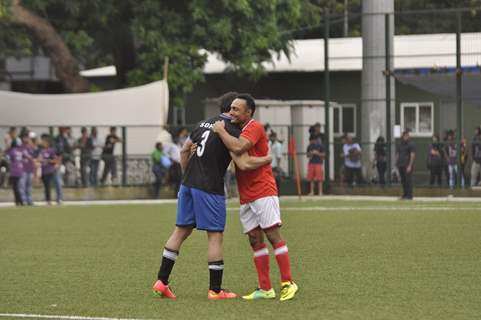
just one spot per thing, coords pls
(380, 157)
(452, 159)
(95, 147)
(29, 171)
(352, 161)
(15, 156)
(85, 154)
(463, 159)
(405, 155)
(49, 163)
(275, 147)
(110, 164)
(435, 161)
(315, 172)
(476, 155)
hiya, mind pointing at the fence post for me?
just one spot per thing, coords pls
(124, 156)
(388, 98)
(459, 90)
(327, 89)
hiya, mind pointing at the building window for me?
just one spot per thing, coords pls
(344, 119)
(418, 118)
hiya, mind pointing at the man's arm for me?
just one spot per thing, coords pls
(412, 156)
(235, 145)
(185, 154)
(246, 162)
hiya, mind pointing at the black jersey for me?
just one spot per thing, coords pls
(206, 167)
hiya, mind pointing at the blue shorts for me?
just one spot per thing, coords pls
(203, 210)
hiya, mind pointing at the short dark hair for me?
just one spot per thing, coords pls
(250, 101)
(225, 101)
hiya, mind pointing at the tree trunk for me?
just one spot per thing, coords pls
(66, 66)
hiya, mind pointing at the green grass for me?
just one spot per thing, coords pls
(373, 263)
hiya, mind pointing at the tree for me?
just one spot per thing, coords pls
(136, 35)
(66, 66)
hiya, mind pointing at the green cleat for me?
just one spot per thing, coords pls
(288, 290)
(260, 294)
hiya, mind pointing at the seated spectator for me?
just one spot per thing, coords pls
(352, 161)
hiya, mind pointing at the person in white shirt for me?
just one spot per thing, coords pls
(352, 161)
(275, 147)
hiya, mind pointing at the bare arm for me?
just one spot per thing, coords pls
(246, 162)
(235, 145)
(185, 154)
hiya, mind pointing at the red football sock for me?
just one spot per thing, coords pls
(282, 257)
(261, 260)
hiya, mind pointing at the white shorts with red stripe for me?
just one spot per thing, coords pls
(264, 212)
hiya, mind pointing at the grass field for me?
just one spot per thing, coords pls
(351, 259)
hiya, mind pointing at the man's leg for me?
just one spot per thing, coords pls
(261, 258)
(261, 261)
(289, 288)
(171, 251)
(215, 258)
(282, 254)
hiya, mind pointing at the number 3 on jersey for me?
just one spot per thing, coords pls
(201, 147)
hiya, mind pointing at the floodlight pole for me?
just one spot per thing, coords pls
(327, 90)
(388, 98)
(459, 89)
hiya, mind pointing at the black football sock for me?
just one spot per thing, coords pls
(168, 259)
(216, 269)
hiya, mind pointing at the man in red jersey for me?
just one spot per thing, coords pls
(259, 212)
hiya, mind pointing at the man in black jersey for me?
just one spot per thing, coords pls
(201, 201)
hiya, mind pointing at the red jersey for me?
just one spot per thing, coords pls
(259, 183)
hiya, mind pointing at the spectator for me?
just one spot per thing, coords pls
(30, 151)
(64, 149)
(110, 164)
(444, 154)
(463, 159)
(10, 137)
(435, 161)
(160, 167)
(315, 174)
(452, 159)
(173, 152)
(85, 155)
(352, 161)
(275, 147)
(405, 155)
(95, 147)
(16, 158)
(315, 132)
(476, 155)
(3, 167)
(380, 158)
(50, 163)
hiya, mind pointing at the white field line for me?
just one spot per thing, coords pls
(42, 316)
(384, 208)
(286, 199)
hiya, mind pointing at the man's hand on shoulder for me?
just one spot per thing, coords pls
(218, 126)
